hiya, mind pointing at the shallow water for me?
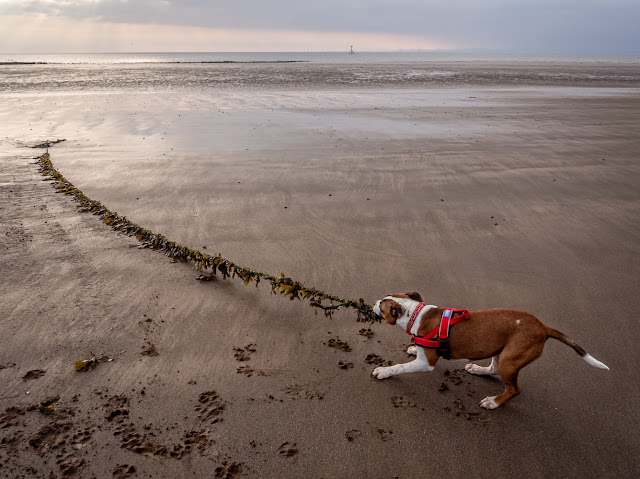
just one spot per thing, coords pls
(179, 77)
(318, 57)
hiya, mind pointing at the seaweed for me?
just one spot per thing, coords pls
(210, 266)
(89, 364)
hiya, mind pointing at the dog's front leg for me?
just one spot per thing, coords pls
(419, 364)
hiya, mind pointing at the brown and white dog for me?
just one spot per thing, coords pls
(510, 337)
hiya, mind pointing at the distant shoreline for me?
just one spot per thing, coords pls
(25, 63)
(159, 62)
(364, 57)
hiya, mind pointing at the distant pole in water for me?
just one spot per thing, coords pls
(352, 52)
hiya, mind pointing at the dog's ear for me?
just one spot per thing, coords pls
(390, 310)
(415, 296)
(396, 310)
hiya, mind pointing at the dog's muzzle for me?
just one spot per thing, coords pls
(376, 309)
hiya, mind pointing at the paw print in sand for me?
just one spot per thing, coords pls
(288, 451)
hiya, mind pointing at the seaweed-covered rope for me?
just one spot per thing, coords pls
(209, 265)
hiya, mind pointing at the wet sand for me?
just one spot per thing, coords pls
(474, 196)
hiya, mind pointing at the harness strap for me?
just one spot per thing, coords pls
(439, 336)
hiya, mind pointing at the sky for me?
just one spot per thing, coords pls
(537, 26)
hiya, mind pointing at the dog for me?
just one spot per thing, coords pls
(511, 338)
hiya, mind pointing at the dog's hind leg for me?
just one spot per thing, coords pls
(511, 361)
(511, 389)
(490, 370)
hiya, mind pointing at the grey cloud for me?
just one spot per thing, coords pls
(562, 25)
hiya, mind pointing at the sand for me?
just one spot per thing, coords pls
(476, 197)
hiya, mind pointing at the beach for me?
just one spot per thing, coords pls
(479, 185)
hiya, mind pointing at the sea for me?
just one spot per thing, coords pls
(303, 70)
(313, 57)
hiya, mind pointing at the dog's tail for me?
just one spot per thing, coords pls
(555, 334)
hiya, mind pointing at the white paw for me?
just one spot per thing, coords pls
(381, 372)
(475, 369)
(412, 350)
(489, 402)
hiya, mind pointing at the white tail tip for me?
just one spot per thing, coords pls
(594, 362)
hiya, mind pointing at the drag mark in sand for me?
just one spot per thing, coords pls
(282, 284)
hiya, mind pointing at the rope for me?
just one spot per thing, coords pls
(209, 265)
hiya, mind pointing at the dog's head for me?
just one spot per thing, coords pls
(393, 307)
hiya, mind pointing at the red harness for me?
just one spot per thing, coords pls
(439, 336)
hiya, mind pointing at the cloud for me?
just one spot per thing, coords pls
(45, 34)
(570, 25)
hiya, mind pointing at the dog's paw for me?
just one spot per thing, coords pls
(482, 370)
(489, 403)
(412, 350)
(475, 369)
(381, 372)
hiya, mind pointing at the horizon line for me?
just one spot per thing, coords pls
(397, 50)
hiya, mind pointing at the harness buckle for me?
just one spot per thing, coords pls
(443, 348)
